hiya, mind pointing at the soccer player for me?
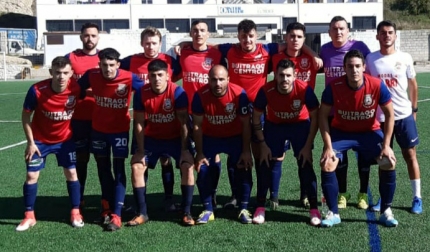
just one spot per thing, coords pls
(164, 106)
(196, 60)
(221, 125)
(150, 39)
(290, 107)
(51, 102)
(354, 98)
(112, 88)
(332, 54)
(396, 69)
(305, 70)
(82, 60)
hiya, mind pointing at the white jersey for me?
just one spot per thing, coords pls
(395, 70)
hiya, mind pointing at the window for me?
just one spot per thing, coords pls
(146, 1)
(178, 25)
(198, 1)
(209, 21)
(264, 27)
(157, 23)
(174, 1)
(363, 23)
(59, 25)
(286, 21)
(109, 24)
(80, 22)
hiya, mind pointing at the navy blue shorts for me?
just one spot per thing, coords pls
(406, 133)
(102, 143)
(231, 146)
(81, 134)
(65, 153)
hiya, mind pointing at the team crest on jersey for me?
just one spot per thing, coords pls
(121, 90)
(167, 105)
(304, 63)
(296, 104)
(71, 101)
(229, 108)
(398, 66)
(368, 101)
(258, 57)
(207, 63)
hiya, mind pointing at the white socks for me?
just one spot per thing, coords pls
(416, 187)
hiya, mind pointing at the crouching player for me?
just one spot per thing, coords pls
(164, 105)
(291, 113)
(355, 98)
(221, 125)
(51, 102)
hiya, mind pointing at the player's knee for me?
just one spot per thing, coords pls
(138, 168)
(70, 174)
(32, 178)
(330, 165)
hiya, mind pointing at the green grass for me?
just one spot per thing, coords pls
(285, 230)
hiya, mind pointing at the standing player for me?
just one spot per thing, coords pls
(51, 102)
(396, 69)
(164, 106)
(290, 107)
(332, 54)
(221, 125)
(196, 61)
(112, 88)
(82, 60)
(305, 70)
(150, 39)
(355, 98)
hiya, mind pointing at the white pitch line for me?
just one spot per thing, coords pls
(424, 100)
(12, 145)
(423, 87)
(12, 93)
(4, 121)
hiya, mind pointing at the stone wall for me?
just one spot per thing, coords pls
(416, 43)
(27, 7)
(14, 68)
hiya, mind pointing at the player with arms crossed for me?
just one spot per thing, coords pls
(161, 127)
(396, 69)
(112, 88)
(332, 54)
(221, 125)
(354, 98)
(290, 107)
(305, 70)
(51, 102)
(150, 39)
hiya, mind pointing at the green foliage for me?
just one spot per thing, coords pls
(413, 7)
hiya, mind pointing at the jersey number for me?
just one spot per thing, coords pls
(72, 156)
(121, 142)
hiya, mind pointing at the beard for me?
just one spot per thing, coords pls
(89, 46)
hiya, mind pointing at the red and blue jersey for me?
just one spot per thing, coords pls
(304, 67)
(248, 69)
(138, 64)
(286, 108)
(221, 114)
(195, 68)
(160, 110)
(112, 99)
(81, 62)
(355, 110)
(52, 111)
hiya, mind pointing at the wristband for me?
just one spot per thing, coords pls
(414, 110)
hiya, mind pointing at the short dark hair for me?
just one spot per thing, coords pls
(157, 65)
(110, 54)
(353, 54)
(89, 25)
(384, 23)
(296, 26)
(246, 26)
(284, 64)
(337, 19)
(198, 21)
(60, 62)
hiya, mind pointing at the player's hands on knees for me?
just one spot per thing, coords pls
(186, 157)
(328, 161)
(138, 157)
(265, 154)
(306, 155)
(245, 160)
(199, 160)
(29, 152)
(388, 153)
